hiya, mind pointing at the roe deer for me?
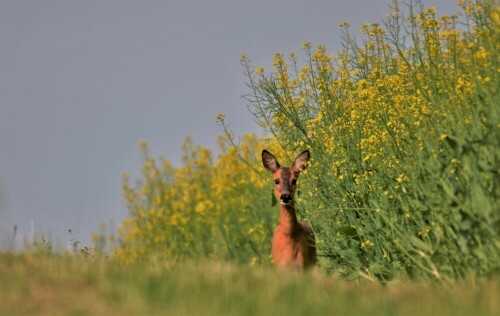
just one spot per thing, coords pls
(294, 244)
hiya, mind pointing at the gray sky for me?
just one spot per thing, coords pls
(82, 82)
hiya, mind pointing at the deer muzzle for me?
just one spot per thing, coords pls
(285, 198)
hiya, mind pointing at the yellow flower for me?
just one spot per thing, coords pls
(143, 145)
(220, 116)
(306, 45)
(259, 70)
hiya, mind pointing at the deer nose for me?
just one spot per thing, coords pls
(285, 198)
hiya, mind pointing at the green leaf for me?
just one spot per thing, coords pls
(420, 244)
(273, 199)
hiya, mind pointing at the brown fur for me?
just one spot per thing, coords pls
(293, 244)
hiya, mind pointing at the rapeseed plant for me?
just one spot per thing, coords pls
(202, 209)
(403, 131)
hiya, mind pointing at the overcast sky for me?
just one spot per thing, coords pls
(82, 82)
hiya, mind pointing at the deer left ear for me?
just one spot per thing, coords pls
(301, 162)
(269, 161)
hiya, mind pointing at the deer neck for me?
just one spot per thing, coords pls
(288, 219)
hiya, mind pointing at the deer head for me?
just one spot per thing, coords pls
(285, 178)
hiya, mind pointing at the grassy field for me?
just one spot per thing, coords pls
(64, 284)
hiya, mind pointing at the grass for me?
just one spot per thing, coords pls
(64, 284)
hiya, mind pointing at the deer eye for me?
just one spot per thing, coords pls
(277, 181)
(294, 181)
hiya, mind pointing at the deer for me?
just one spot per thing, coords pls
(294, 244)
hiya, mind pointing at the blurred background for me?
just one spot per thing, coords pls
(82, 82)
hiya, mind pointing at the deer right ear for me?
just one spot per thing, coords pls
(300, 163)
(269, 161)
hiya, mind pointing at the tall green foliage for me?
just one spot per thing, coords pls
(403, 128)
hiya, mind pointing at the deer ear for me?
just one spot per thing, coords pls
(301, 162)
(269, 161)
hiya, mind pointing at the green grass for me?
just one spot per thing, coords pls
(63, 284)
